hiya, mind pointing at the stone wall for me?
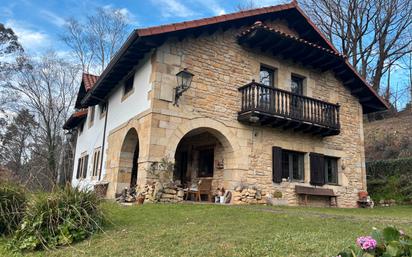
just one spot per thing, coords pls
(221, 66)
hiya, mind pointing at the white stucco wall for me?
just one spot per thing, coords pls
(120, 110)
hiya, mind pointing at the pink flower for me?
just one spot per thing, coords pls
(366, 243)
(401, 232)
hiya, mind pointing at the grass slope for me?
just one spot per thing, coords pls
(212, 230)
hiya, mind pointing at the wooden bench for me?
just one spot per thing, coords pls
(305, 191)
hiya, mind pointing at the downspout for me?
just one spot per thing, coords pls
(104, 140)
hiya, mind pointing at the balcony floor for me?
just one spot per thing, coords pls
(273, 120)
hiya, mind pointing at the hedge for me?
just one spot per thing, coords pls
(390, 179)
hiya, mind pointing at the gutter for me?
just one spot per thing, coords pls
(104, 140)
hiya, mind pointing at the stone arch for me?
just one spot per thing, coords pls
(128, 160)
(233, 158)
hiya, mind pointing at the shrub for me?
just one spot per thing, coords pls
(389, 242)
(12, 204)
(60, 218)
(390, 179)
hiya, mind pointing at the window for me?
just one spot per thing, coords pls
(91, 120)
(103, 109)
(128, 85)
(96, 162)
(82, 167)
(267, 76)
(331, 170)
(206, 161)
(296, 105)
(297, 85)
(81, 128)
(292, 165)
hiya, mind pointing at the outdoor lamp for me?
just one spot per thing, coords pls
(184, 79)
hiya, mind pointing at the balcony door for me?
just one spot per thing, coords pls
(267, 78)
(296, 105)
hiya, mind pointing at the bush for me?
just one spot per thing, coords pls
(390, 179)
(392, 167)
(60, 218)
(12, 204)
(389, 242)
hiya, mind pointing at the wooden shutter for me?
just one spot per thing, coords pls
(276, 164)
(317, 169)
(86, 159)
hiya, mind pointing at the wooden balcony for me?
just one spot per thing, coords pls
(268, 106)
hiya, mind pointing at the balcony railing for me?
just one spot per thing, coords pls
(277, 107)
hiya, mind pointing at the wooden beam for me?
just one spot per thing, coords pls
(349, 81)
(326, 66)
(357, 90)
(309, 57)
(315, 63)
(365, 99)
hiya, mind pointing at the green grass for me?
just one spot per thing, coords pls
(213, 230)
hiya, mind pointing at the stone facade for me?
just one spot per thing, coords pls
(212, 103)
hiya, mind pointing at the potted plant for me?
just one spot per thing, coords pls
(276, 199)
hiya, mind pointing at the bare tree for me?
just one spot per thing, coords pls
(95, 41)
(48, 89)
(374, 34)
(10, 61)
(16, 140)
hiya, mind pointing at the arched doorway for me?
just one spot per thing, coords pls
(202, 154)
(128, 161)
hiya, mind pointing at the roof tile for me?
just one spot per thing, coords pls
(89, 80)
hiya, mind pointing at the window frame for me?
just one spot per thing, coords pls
(103, 110)
(334, 166)
(81, 128)
(127, 89)
(92, 113)
(272, 78)
(301, 79)
(290, 168)
(82, 166)
(96, 162)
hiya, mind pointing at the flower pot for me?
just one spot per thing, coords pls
(140, 199)
(363, 194)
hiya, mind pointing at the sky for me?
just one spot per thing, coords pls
(39, 23)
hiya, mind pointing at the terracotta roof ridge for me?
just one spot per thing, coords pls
(214, 19)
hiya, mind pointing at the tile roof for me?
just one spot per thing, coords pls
(89, 80)
(75, 119)
(260, 24)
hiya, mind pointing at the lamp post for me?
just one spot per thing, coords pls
(184, 79)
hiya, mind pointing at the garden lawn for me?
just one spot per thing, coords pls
(213, 230)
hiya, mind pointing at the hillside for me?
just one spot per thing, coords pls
(389, 138)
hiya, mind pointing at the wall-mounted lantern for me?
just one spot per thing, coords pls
(184, 79)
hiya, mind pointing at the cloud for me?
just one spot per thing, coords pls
(53, 18)
(130, 17)
(173, 8)
(212, 5)
(264, 3)
(31, 39)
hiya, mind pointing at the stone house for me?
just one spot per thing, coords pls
(272, 104)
